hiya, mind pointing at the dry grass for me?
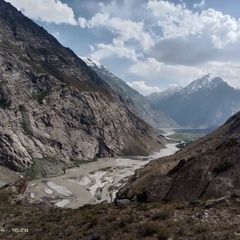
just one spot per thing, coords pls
(135, 221)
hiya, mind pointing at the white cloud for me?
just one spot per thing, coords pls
(175, 75)
(124, 30)
(199, 5)
(222, 28)
(113, 50)
(52, 11)
(175, 45)
(146, 67)
(164, 75)
(176, 21)
(141, 87)
(229, 71)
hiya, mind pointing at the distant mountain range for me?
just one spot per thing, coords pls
(136, 102)
(203, 103)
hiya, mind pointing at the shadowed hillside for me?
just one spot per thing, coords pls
(208, 168)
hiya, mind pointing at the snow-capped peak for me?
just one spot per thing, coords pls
(97, 66)
(203, 83)
(164, 94)
(91, 62)
(173, 90)
(200, 82)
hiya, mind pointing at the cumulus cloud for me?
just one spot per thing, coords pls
(165, 75)
(166, 43)
(146, 67)
(124, 30)
(115, 49)
(175, 44)
(228, 70)
(51, 11)
(143, 88)
(169, 36)
(200, 4)
(175, 75)
(176, 21)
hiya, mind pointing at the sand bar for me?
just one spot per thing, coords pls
(92, 182)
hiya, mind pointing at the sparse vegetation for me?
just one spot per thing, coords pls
(152, 228)
(202, 228)
(157, 221)
(4, 197)
(141, 196)
(78, 162)
(222, 166)
(4, 104)
(184, 144)
(161, 215)
(40, 96)
(142, 207)
(21, 108)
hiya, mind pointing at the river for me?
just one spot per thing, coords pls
(92, 182)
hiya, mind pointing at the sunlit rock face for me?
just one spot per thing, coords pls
(54, 108)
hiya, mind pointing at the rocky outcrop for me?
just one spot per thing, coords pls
(54, 107)
(209, 168)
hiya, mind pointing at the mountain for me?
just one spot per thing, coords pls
(56, 111)
(136, 102)
(203, 103)
(208, 168)
(156, 97)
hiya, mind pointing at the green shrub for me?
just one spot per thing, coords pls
(142, 195)
(4, 104)
(164, 215)
(40, 96)
(202, 228)
(151, 228)
(223, 165)
(142, 207)
(21, 108)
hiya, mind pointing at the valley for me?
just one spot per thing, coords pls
(92, 182)
(85, 156)
(188, 136)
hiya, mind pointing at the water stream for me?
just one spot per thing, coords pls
(92, 182)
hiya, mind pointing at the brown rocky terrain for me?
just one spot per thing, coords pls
(55, 111)
(208, 168)
(216, 220)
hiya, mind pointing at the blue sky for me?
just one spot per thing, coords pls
(150, 44)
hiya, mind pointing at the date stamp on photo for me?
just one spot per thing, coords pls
(14, 230)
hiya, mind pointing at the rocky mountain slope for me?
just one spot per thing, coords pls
(203, 103)
(54, 109)
(209, 168)
(131, 98)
